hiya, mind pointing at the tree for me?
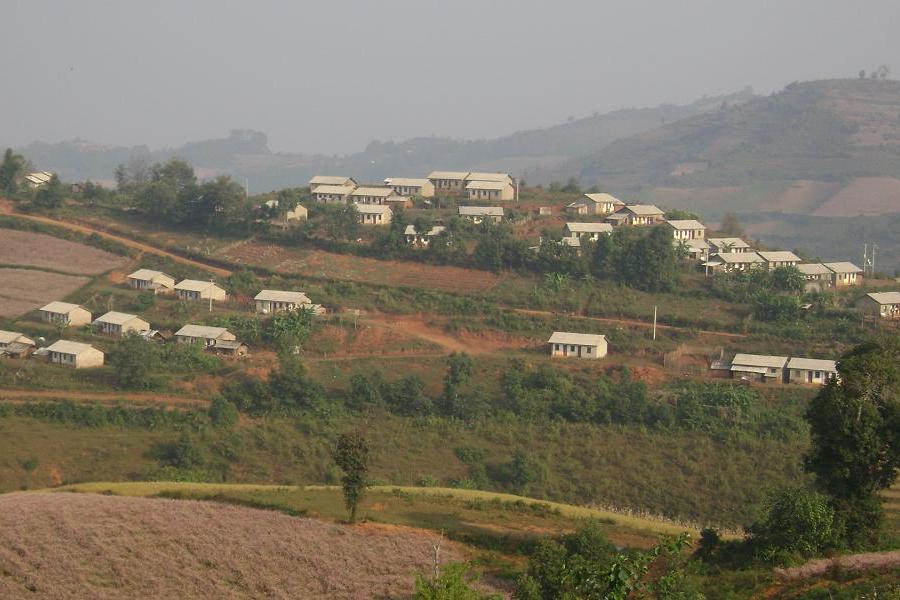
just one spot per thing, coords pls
(788, 279)
(797, 522)
(452, 583)
(135, 360)
(855, 428)
(352, 455)
(51, 194)
(731, 226)
(10, 169)
(221, 202)
(460, 367)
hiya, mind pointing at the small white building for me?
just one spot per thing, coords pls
(371, 194)
(38, 179)
(490, 191)
(844, 274)
(738, 261)
(596, 204)
(696, 249)
(687, 229)
(759, 366)
(330, 180)
(636, 214)
(816, 275)
(192, 289)
(65, 313)
(273, 301)
(885, 305)
(779, 258)
(477, 214)
(206, 334)
(448, 181)
(811, 370)
(148, 279)
(408, 186)
(74, 354)
(592, 230)
(15, 344)
(332, 194)
(374, 214)
(120, 324)
(577, 345)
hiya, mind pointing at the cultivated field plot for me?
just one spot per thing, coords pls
(45, 251)
(317, 263)
(62, 545)
(22, 290)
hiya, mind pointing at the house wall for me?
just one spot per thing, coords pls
(330, 198)
(424, 191)
(845, 279)
(75, 318)
(809, 376)
(273, 306)
(578, 350)
(449, 185)
(507, 193)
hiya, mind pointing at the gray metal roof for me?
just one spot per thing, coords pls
(283, 296)
(481, 211)
(577, 339)
(116, 318)
(63, 308)
(812, 364)
(885, 297)
(759, 360)
(204, 331)
(67, 347)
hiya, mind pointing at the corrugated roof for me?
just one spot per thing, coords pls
(406, 181)
(604, 198)
(116, 318)
(487, 185)
(739, 257)
(373, 209)
(342, 190)
(686, 224)
(731, 242)
(843, 267)
(589, 227)
(67, 347)
(436, 230)
(329, 180)
(813, 269)
(643, 209)
(578, 339)
(60, 307)
(372, 190)
(697, 244)
(227, 344)
(759, 360)
(202, 331)
(148, 274)
(748, 369)
(779, 256)
(812, 364)
(499, 177)
(448, 175)
(193, 285)
(885, 297)
(8, 337)
(481, 211)
(283, 296)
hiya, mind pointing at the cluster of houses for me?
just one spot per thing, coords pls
(760, 367)
(117, 324)
(375, 203)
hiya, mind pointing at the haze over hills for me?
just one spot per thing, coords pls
(246, 154)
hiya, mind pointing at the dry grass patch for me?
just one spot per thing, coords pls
(45, 251)
(25, 289)
(92, 546)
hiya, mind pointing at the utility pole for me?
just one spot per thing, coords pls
(869, 260)
(654, 322)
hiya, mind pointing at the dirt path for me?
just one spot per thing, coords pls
(630, 322)
(7, 208)
(138, 398)
(416, 326)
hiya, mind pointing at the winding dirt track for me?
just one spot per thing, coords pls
(7, 208)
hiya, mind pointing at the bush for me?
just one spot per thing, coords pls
(798, 523)
(223, 413)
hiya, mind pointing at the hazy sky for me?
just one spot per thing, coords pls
(329, 75)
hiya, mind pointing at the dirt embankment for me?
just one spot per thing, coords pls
(61, 545)
(870, 561)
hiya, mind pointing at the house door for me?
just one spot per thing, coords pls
(809, 377)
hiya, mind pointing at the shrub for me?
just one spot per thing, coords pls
(798, 523)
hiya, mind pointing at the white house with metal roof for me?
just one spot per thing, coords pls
(148, 279)
(759, 366)
(592, 230)
(415, 238)
(637, 214)
(332, 194)
(65, 313)
(15, 344)
(577, 345)
(117, 323)
(844, 274)
(885, 305)
(477, 214)
(409, 186)
(192, 289)
(739, 261)
(203, 333)
(371, 194)
(374, 214)
(779, 258)
(74, 354)
(448, 181)
(330, 180)
(38, 179)
(687, 229)
(811, 370)
(727, 245)
(595, 204)
(273, 301)
(490, 191)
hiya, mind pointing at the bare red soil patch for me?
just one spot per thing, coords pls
(864, 196)
(26, 289)
(39, 250)
(91, 546)
(870, 561)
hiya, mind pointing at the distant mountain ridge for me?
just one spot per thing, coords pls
(532, 154)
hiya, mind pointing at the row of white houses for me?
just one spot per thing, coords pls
(337, 189)
(760, 367)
